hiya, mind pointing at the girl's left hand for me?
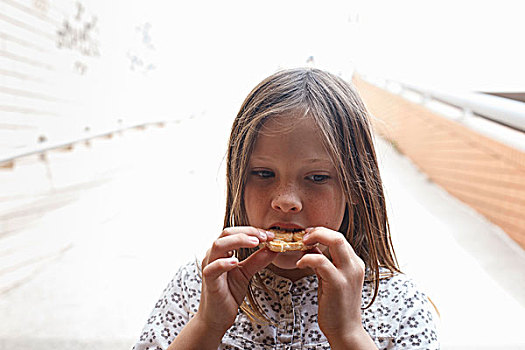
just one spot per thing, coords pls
(340, 283)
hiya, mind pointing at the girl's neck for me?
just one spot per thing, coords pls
(293, 275)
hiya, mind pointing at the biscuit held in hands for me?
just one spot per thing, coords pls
(285, 241)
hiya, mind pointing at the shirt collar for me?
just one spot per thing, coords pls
(278, 283)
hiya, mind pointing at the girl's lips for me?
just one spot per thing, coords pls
(286, 226)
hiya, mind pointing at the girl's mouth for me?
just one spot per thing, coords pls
(287, 239)
(278, 228)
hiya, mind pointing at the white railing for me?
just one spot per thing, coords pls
(507, 112)
(496, 117)
(7, 160)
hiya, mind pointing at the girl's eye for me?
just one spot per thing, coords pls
(318, 178)
(263, 174)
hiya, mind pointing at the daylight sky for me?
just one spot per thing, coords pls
(204, 50)
(475, 44)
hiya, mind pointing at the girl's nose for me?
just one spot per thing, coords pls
(287, 200)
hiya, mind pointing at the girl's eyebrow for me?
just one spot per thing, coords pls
(261, 158)
(318, 160)
(307, 160)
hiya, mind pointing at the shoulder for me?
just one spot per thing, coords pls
(400, 288)
(392, 288)
(182, 290)
(173, 310)
(401, 313)
(189, 273)
(187, 280)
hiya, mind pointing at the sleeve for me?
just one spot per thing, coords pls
(178, 303)
(418, 320)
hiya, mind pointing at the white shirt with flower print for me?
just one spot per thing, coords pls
(401, 317)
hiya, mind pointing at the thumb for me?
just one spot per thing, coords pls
(256, 262)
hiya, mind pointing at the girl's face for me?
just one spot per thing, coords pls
(292, 183)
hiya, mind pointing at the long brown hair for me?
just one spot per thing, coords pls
(336, 108)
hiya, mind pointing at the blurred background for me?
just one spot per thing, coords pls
(114, 120)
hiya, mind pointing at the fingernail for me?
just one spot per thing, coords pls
(305, 237)
(270, 234)
(262, 233)
(309, 229)
(254, 240)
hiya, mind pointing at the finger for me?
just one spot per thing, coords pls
(207, 259)
(248, 230)
(230, 231)
(222, 246)
(324, 269)
(340, 250)
(215, 269)
(257, 261)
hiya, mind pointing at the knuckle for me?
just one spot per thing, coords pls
(339, 240)
(319, 259)
(362, 268)
(206, 271)
(216, 245)
(359, 269)
(242, 238)
(226, 232)
(362, 265)
(320, 230)
(222, 263)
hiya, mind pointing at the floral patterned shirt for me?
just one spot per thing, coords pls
(400, 317)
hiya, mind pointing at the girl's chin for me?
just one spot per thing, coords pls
(288, 260)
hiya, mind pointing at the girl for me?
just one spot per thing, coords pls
(300, 156)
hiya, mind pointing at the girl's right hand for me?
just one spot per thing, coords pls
(225, 280)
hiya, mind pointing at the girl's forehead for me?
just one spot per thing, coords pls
(289, 136)
(280, 125)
